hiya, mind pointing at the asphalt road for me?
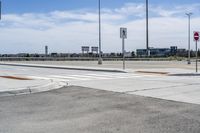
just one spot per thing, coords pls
(84, 110)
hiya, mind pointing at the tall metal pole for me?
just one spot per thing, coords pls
(100, 52)
(123, 52)
(147, 27)
(0, 9)
(189, 16)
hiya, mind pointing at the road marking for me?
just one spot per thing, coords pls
(97, 76)
(92, 76)
(70, 77)
(39, 77)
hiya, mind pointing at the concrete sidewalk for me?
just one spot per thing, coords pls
(65, 67)
(10, 87)
(167, 70)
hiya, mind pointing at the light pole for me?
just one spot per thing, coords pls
(100, 52)
(147, 27)
(0, 9)
(189, 16)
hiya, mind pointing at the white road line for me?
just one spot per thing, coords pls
(98, 76)
(88, 77)
(69, 77)
(44, 78)
(114, 75)
(91, 77)
(38, 77)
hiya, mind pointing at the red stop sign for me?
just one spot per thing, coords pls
(196, 36)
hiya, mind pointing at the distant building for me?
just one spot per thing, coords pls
(22, 54)
(174, 50)
(54, 54)
(46, 51)
(128, 54)
(182, 53)
(141, 52)
(161, 52)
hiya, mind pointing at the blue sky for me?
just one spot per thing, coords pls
(66, 25)
(21, 6)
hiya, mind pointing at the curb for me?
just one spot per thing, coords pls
(32, 89)
(186, 74)
(15, 92)
(64, 67)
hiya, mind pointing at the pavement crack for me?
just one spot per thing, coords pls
(174, 86)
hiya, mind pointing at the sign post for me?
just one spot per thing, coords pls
(196, 39)
(123, 35)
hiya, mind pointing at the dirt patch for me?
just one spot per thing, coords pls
(16, 78)
(149, 72)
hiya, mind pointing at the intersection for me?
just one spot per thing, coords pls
(167, 85)
(162, 98)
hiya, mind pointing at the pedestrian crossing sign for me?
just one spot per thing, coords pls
(123, 33)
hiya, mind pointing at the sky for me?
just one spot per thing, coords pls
(66, 25)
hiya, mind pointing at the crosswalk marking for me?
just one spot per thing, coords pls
(38, 77)
(69, 77)
(92, 76)
(115, 75)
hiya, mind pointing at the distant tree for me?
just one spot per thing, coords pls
(27, 55)
(198, 52)
(133, 54)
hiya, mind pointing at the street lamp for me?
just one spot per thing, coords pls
(100, 52)
(189, 16)
(147, 27)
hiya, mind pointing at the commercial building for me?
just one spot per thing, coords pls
(162, 52)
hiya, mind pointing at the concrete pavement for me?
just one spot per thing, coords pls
(183, 88)
(99, 101)
(118, 64)
(83, 68)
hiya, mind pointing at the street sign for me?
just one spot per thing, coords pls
(123, 36)
(196, 39)
(123, 33)
(95, 49)
(85, 49)
(196, 36)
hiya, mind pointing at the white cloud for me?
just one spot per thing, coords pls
(67, 31)
(132, 9)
